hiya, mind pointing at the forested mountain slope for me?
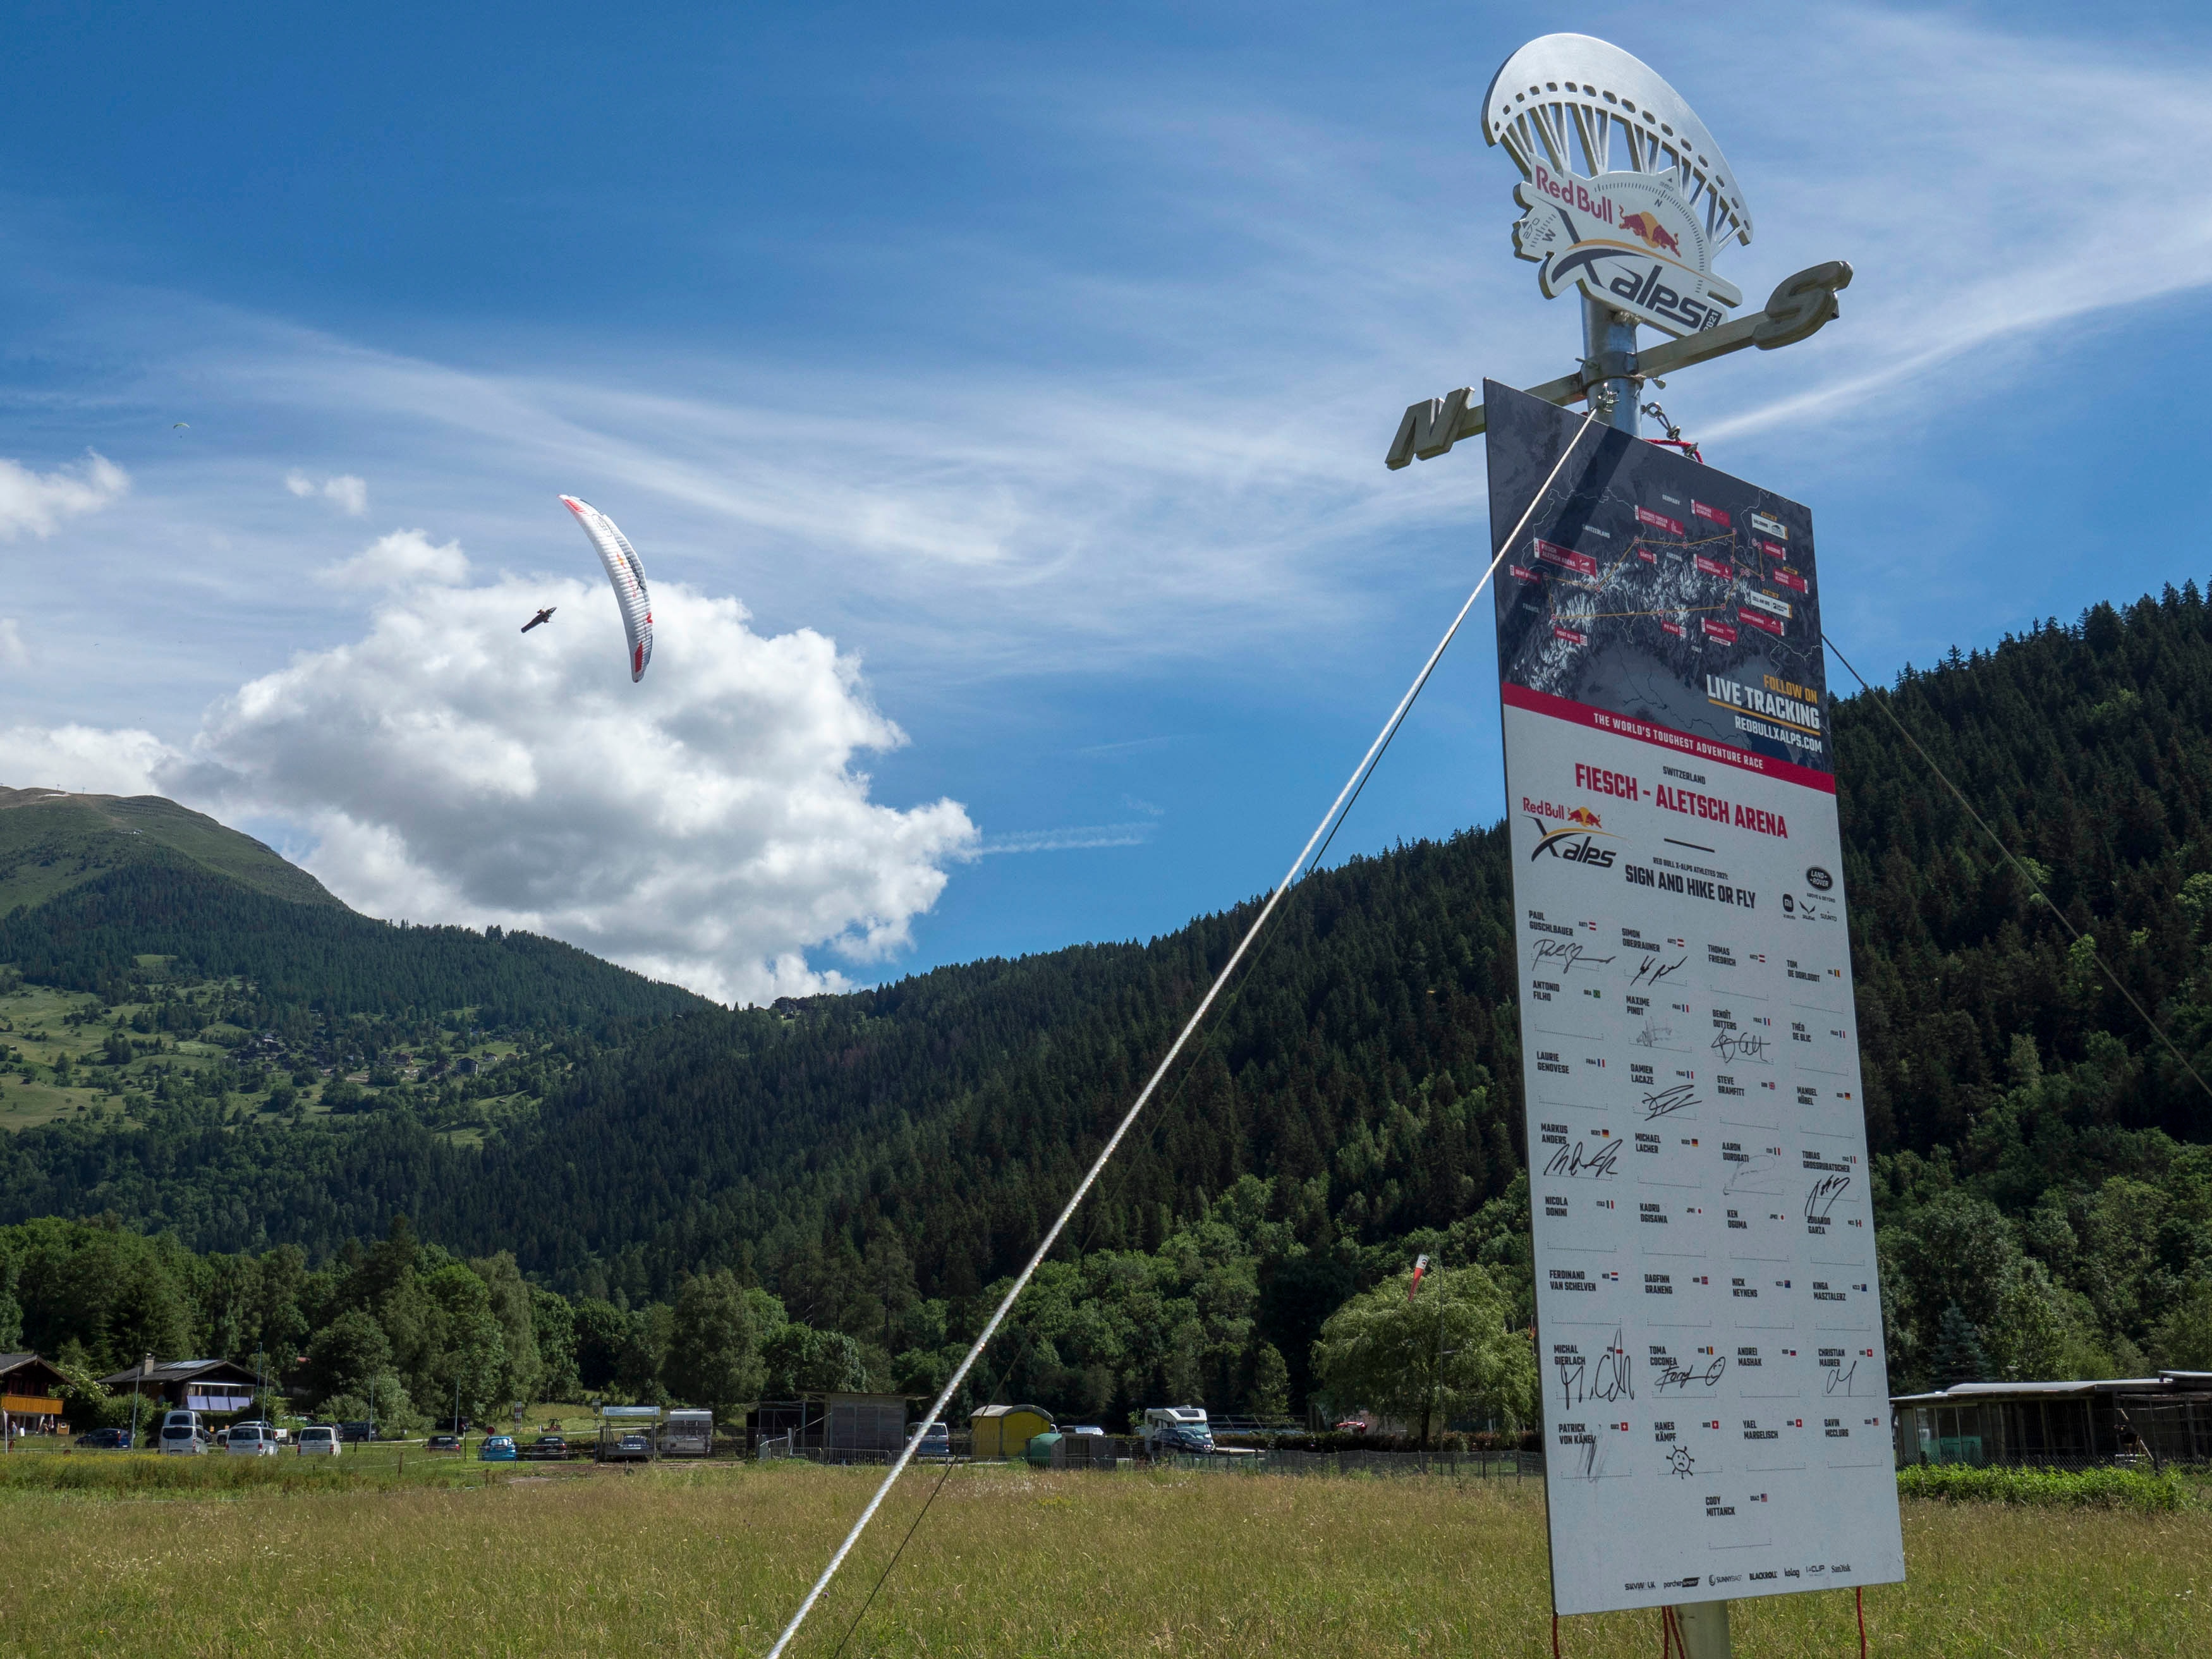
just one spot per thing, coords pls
(321, 957)
(2045, 1190)
(51, 842)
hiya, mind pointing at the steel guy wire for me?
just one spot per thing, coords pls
(2034, 886)
(1352, 786)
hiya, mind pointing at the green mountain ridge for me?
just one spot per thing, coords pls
(2043, 1179)
(51, 840)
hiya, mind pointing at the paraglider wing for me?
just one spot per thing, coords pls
(627, 577)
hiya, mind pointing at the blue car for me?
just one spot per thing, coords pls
(497, 1449)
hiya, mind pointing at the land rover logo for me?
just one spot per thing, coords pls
(1819, 879)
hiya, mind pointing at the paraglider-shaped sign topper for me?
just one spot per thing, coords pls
(1639, 238)
(627, 577)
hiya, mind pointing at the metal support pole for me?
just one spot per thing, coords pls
(1704, 1626)
(1609, 337)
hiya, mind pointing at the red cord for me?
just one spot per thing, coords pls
(1666, 1633)
(1555, 1636)
(1859, 1592)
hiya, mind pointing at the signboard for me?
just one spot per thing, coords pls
(1625, 238)
(1708, 1316)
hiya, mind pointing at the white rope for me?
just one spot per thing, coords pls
(1144, 1098)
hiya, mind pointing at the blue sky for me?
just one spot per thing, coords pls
(1042, 361)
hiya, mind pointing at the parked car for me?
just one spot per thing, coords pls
(318, 1440)
(933, 1442)
(357, 1431)
(445, 1443)
(182, 1434)
(547, 1448)
(252, 1440)
(1178, 1429)
(632, 1448)
(105, 1440)
(496, 1449)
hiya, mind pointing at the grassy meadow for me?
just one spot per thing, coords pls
(709, 1560)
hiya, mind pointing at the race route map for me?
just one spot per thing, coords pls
(1708, 1308)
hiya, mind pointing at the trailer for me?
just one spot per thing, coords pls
(687, 1434)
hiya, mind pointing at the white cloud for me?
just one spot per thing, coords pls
(86, 760)
(707, 825)
(351, 494)
(402, 559)
(38, 501)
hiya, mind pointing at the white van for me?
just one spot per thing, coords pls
(318, 1440)
(252, 1440)
(184, 1433)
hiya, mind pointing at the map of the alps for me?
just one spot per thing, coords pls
(1651, 586)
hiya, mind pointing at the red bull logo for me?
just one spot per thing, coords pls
(1646, 228)
(1583, 816)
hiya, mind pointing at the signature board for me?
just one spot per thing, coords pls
(1708, 1307)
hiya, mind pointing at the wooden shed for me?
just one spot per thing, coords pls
(1005, 1431)
(30, 1393)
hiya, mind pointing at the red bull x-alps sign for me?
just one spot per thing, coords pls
(1627, 239)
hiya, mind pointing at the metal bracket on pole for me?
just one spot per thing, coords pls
(1800, 306)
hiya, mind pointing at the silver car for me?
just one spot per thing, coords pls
(319, 1441)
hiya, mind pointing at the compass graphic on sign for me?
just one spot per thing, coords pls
(1639, 238)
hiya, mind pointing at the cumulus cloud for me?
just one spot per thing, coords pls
(707, 826)
(349, 493)
(404, 558)
(38, 501)
(87, 760)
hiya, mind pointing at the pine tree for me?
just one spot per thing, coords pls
(1958, 1356)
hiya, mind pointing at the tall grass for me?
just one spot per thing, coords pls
(127, 1474)
(700, 1561)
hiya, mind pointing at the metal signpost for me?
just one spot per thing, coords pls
(1708, 1322)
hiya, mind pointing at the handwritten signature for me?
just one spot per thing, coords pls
(1741, 1180)
(1613, 1377)
(1822, 1199)
(1748, 1045)
(1569, 1161)
(1839, 1380)
(1654, 970)
(1663, 1101)
(1680, 1376)
(1566, 955)
(1653, 1035)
